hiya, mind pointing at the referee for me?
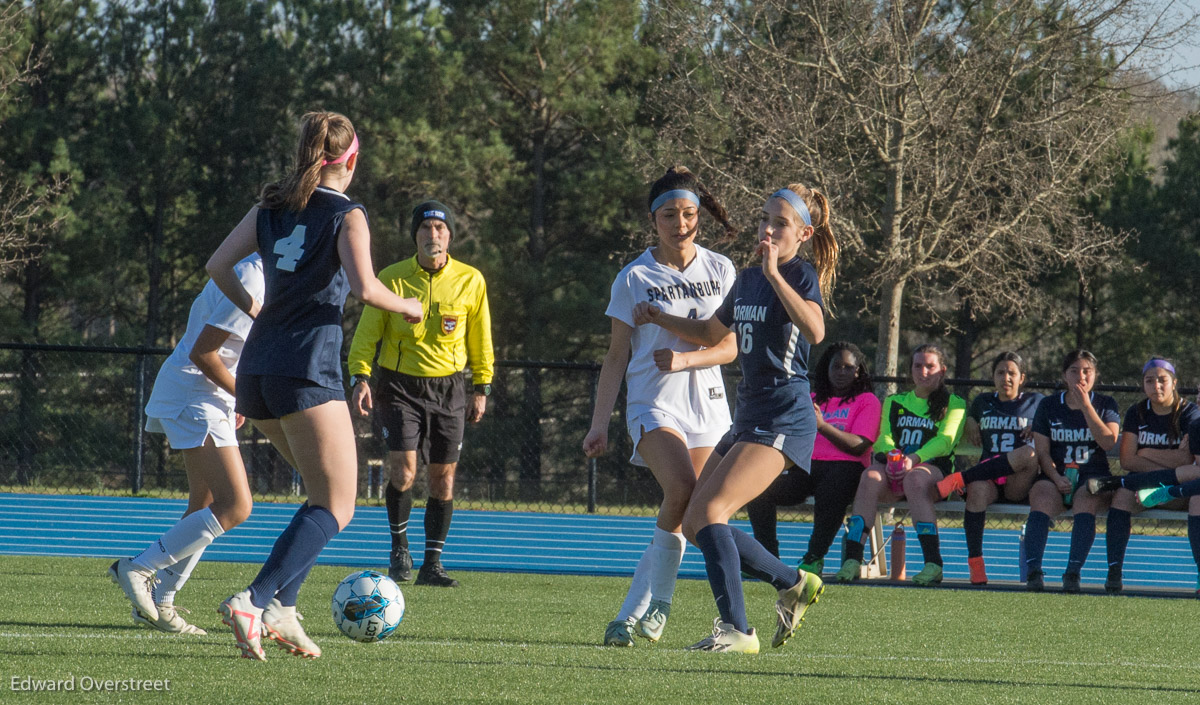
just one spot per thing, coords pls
(422, 390)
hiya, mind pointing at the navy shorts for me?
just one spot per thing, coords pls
(273, 397)
(797, 448)
(427, 414)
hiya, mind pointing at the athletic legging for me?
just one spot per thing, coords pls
(832, 485)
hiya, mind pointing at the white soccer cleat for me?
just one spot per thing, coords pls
(138, 584)
(792, 604)
(652, 623)
(282, 625)
(246, 621)
(725, 638)
(168, 621)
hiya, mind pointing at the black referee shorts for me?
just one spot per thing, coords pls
(423, 413)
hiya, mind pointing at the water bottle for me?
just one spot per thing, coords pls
(899, 544)
(1022, 566)
(1072, 474)
(895, 471)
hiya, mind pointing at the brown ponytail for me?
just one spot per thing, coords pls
(324, 137)
(824, 245)
(680, 177)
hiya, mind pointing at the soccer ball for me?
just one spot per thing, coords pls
(367, 606)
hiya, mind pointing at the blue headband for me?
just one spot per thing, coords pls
(795, 202)
(672, 195)
(1158, 362)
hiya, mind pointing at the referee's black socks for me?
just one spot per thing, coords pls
(399, 507)
(437, 526)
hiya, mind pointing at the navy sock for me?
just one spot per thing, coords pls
(993, 468)
(437, 526)
(973, 527)
(1083, 535)
(761, 563)
(288, 594)
(931, 545)
(1116, 536)
(1152, 478)
(1187, 489)
(294, 552)
(854, 551)
(722, 563)
(399, 508)
(1194, 537)
(1037, 531)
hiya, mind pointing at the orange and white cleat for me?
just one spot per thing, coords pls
(245, 619)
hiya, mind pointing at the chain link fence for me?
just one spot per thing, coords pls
(70, 420)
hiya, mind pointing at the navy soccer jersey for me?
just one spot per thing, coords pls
(1001, 422)
(1154, 431)
(1071, 441)
(773, 354)
(298, 332)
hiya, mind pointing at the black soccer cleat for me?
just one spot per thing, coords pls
(435, 575)
(400, 565)
(1096, 485)
(1071, 583)
(1035, 581)
(1112, 584)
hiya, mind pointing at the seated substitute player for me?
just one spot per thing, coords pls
(1000, 423)
(192, 404)
(1072, 434)
(924, 424)
(1155, 450)
(847, 426)
(421, 385)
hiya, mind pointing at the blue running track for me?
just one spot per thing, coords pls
(106, 527)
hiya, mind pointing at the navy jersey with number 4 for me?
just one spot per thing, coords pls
(773, 354)
(1154, 431)
(298, 332)
(1071, 440)
(1001, 422)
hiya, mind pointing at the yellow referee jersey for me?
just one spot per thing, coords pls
(456, 330)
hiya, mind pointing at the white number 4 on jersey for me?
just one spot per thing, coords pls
(290, 249)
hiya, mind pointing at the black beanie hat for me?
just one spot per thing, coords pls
(432, 209)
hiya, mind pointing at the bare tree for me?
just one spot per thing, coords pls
(955, 139)
(24, 203)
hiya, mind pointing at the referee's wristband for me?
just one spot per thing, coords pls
(358, 379)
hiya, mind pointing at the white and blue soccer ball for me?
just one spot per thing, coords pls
(367, 606)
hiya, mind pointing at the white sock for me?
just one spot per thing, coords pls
(172, 578)
(668, 548)
(190, 534)
(638, 598)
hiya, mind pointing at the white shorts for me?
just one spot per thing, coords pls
(652, 420)
(193, 426)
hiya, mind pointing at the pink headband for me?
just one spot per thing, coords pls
(345, 155)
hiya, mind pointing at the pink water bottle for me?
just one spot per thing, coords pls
(895, 471)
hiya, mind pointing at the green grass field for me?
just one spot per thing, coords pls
(534, 639)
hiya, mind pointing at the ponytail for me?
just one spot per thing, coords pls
(824, 244)
(680, 177)
(324, 138)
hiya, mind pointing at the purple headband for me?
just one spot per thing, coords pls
(1158, 362)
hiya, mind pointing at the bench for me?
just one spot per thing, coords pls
(876, 566)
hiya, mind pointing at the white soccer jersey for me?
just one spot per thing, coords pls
(180, 383)
(694, 397)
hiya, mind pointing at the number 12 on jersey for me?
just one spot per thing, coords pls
(290, 249)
